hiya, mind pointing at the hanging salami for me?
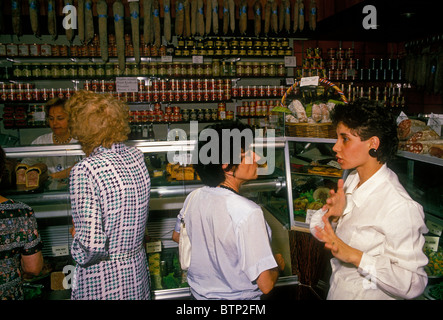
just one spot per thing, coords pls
(301, 13)
(81, 21)
(102, 14)
(89, 22)
(52, 19)
(274, 16)
(119, 14)
(295, 14)
(16, 17)
(69, 31)
(179, 18)
(147, 22)
(243, 16)
(187, 22)
(200, 18)
(157, 26)
(134, 11)
(257, 18)
(193, 17)
(225, 17)
(167, 20)
(33, 15)
(313, 15)
(208, 16)
(215, 16)
(231, 4)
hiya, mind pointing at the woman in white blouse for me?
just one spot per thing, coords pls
(370, 223)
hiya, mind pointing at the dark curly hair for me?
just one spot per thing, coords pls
(368, 118)
(212, 173)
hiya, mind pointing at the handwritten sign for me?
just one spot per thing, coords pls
(126, 84)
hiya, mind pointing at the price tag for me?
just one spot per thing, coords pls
(166, 59)
(197, 59)
(126, 84)
(434, 228)
(59, 251)
(290, 61)
(153, 246)
(309, 81)
(289, 81)
(431, 243)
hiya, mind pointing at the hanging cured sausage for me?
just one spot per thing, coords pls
(243, 16)
(33, 15)
(157, 27)
(167, 20)
(208, 15)
(69, 31)
(134, 11)
(16, 17)
(200, 18)
(81, 21)
(179, 18)
(119, 13)
(215, 16)
(102, 14)
(313, 15)
(52, 19)
(89, 22)
(147, 22)
(257, 18)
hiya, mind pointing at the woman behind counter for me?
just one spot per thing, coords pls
(57, 167)
(378, 240)
(109, 192)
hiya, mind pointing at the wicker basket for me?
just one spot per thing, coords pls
(314, 130)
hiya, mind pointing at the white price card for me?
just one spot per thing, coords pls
(309, 81)
(431, 243)
(126, 84)
(166, 58)
(434, 228)
(197, 59)
(60, 251)
(290, 61)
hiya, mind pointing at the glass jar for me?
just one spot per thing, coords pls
(55, 70)
(72, 70)
(17, 70)
(216, 68)
(64, 70)
(91, 69)
(100, 70)
(109, 69)
(46, 72)
(26, 70)
(36, 70)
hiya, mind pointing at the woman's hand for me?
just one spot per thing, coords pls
(338, 248)
(336, 203)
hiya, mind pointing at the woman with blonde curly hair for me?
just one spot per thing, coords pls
(109, 192)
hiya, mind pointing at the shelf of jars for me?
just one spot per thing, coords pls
(90, 68)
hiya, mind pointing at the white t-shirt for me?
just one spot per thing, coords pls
(230, 242)
(382, 221)
(55, 164)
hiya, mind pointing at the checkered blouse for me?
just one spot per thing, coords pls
(110, 192)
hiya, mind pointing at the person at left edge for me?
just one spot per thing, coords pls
(109, 192)
(20, 244)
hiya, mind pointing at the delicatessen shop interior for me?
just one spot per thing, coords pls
(181, 65)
